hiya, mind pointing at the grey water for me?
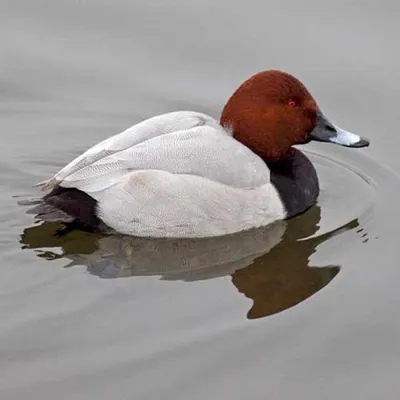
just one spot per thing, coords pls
(305, 309)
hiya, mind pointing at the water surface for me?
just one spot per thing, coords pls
(303, 309)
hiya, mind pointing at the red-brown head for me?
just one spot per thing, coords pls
(272, 111)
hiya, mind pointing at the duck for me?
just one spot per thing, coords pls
(184, 174)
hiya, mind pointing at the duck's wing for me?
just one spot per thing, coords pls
(139, 133)
(202, 148)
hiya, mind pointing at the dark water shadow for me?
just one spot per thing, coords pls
(284, 277)
(268, 265)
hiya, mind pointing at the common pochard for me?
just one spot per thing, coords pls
(184, 174)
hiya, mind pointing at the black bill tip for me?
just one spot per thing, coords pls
(361, 143)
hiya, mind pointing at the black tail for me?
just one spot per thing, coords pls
(69, 206)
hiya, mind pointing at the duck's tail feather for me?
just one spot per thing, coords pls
(30, 202)
(47, 184)
(47, 212)
(66, 205)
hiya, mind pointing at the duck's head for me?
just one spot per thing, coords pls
(272, 111)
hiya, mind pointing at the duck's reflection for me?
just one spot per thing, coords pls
(268, 265)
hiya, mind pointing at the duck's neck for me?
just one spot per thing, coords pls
(296, 181)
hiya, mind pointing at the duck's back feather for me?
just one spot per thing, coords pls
(199, 146)
(139, 133)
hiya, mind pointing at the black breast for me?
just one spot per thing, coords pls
(296, 181)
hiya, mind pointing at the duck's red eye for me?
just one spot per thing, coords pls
(292, 103)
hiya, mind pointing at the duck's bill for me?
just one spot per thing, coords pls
(325, 131)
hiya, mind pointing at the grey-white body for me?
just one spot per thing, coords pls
(175, 175)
